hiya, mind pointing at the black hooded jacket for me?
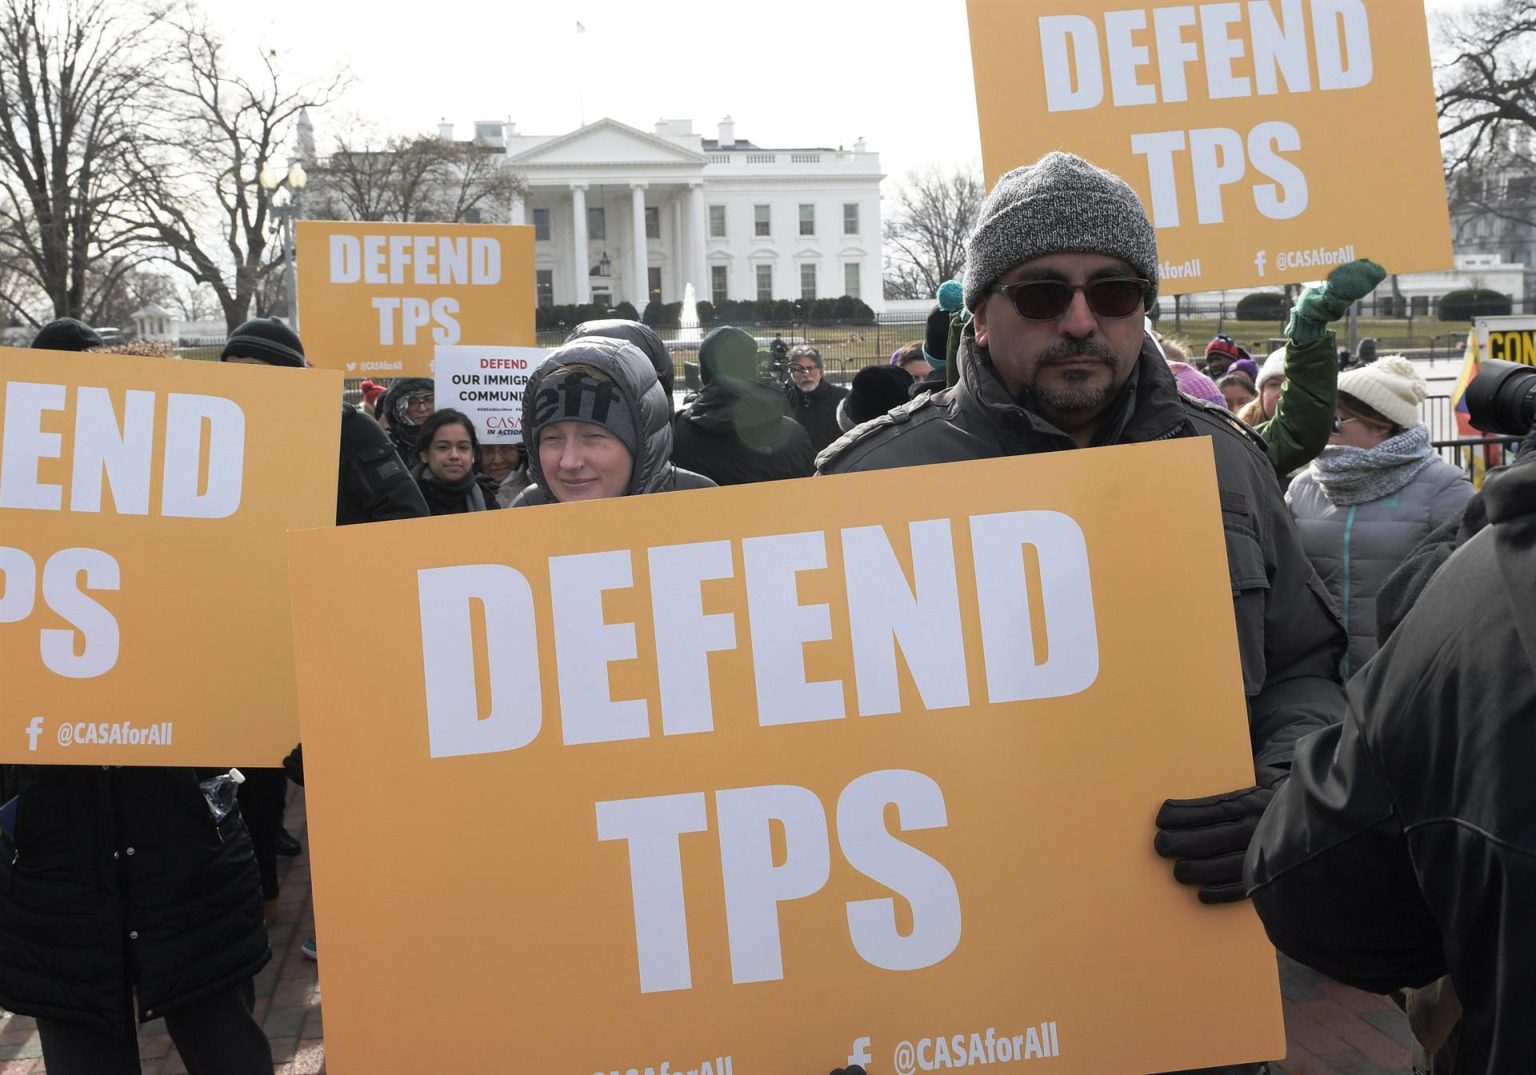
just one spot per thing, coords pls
(643, 337)
(403, 436)
(735, 432)
(1403, 847)
(625, 365)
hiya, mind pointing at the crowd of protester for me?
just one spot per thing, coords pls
(1388, 837)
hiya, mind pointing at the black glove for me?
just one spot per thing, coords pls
(1208, 839)
(293, 765)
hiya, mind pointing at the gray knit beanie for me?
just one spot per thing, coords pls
(1061, 204)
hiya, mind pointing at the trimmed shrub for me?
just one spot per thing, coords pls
(626, 311)
(1263, 306)
(1473, 302)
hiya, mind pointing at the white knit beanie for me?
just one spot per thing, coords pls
(1390, 386)
(1273, 368)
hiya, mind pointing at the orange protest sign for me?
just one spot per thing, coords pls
(758, 779)
(377, 299)
(1241, 126)
(143, 507)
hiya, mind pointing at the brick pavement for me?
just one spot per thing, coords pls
(1330, 1028)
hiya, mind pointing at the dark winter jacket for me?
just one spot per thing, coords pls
(735, 432)
(643, 337)
(1289, 638)
(119, 877)
(1355, 547)
(1404, 845)
(816, 410)
(373, 484)
(477, 494)
(642, 393)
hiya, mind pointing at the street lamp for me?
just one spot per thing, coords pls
(273, 180)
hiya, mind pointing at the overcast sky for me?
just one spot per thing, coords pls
(789, 72)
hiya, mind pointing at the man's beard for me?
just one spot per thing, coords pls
(1077, 395)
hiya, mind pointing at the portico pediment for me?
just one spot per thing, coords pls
(606, 142)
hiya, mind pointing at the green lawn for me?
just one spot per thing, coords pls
(1390, 333)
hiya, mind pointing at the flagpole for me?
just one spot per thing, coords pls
(581, 93)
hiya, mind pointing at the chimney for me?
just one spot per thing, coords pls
(445, 131)
(858, 147)
(727, 133)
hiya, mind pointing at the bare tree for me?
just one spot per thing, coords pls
(414, 179)
(74, 79)
(925, 235)
(122, 293)
(1487, 78)
(220, 130)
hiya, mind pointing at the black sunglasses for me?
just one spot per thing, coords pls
(1046, 300)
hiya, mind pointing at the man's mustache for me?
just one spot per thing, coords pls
(1071, 350)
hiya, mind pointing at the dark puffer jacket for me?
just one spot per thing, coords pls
(1404, 845)
(643, 337)
(118, 878)
(1289, 639)
(735, 432)
(629, 369)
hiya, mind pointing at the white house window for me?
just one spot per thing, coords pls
(653, 283)
(717, 222)
(544, 282)
(718, 276)
(765, 283)
(851, 279)
(597, 223)
(808, 282)
(760, 220)
(807, 220)
(850, 218)
(652, 222)
(541, 225)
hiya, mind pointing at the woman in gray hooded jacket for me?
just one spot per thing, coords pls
(598, 424)
(1376, 490)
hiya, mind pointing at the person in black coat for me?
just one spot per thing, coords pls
(813, 399)
(736, 431)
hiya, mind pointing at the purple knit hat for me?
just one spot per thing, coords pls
(1245, 365)
(1197, 385)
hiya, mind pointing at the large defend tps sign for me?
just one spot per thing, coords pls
(1242, 126)
(709, 759)
(143, 507)
(376, 300)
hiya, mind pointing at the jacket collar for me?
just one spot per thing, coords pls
(1148, 408)
(1511, 500)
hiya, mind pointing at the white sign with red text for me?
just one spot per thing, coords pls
(487, 384)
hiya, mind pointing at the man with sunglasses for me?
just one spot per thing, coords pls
(812, 398)
(1060, 272)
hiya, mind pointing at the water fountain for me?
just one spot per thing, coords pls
(688, 334)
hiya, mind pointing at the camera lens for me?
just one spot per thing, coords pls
(1501, 399)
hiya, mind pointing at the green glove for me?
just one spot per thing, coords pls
(1320, 305)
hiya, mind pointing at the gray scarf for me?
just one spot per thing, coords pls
(1350, 475)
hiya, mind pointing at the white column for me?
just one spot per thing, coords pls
(641, 286)
(519, 212)
(579, 242)
(696, 260)
(679, 256)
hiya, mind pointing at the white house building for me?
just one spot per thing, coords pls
(624, 214)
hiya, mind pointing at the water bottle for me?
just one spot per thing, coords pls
(220, 792)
